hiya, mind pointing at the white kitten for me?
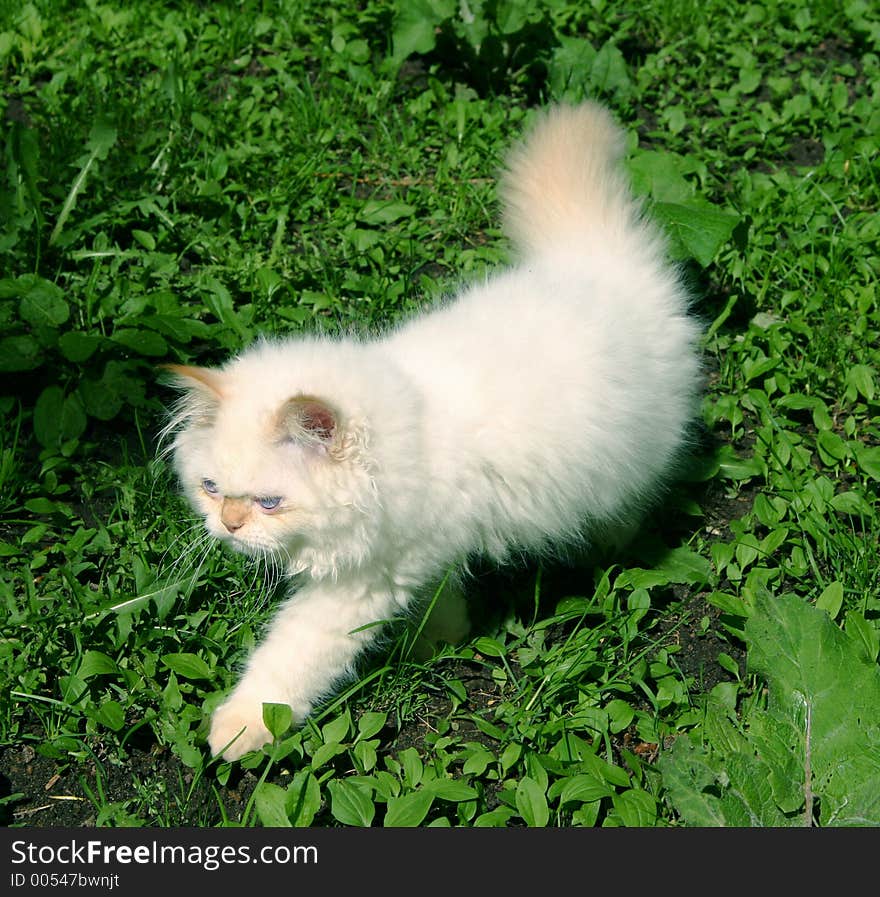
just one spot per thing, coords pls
(545, 406)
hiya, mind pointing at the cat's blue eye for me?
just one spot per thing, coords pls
(268, 503)
(210, 487)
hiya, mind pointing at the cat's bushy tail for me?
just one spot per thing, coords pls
(564, 182)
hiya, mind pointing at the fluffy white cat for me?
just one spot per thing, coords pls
(547, 405)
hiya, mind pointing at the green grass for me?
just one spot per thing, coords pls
(180, 178)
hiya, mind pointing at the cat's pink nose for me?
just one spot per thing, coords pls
(234, 513)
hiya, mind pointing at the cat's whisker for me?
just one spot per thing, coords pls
(187, 550)
(187, 566)
(182, 538)
(269, 572)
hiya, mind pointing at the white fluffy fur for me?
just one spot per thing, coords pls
(542, 407)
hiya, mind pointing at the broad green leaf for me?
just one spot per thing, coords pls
(58, 418)
(861, 378)
(73, 689)
(602, 769)
(46, 506)
(777, 742)
(104, 398)
(864, 634)
(146, 239)
(303, 798)
(78, 347)
(675, 118)
(43, 305)
(47, 416)
(370, 723)
(326, 752)
(99, 401)
(531, 802)
(512, 15)
(450, 789)
(810, 662)
(497, 818)
(536, 770)
(510, 755)
(337, 729)
(682, 565)
(351, 803)
(635, 808)
(692, 778)
(412, 766)
(111, 714)
(201, 123)
(377, 212)
(365, 753)
(73, 418)
(732, 467)
(96, 663)
(821, 417)
(190, 666)
(749, 798)
(851, 502)
(19, 353)
(849, 793)
(720, 727)
(641, 579)
(749, 80)
(414, 24)
(832, 446)
(144, 342)
(477, 761)
(831, 599)
(620, 714)
(773, 540)
(189, 754)
(696, 231)
(271, 804)
(489, 647)
(660, 175)
(408, 810)
(758, 367)
(277, 718)
(172, 698)
(609, 72)
(869, 461)
(490, 729)
(178, 328)
(823, 702)
(570, 66)
(747, 550)
(582, 787)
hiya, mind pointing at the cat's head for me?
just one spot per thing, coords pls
(272, 470)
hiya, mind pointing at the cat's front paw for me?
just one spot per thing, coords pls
(237, 727)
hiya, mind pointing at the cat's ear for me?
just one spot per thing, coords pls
(309, 420)
(201, 394)
(315, 422)
(207, 381)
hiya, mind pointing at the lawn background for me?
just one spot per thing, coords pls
(178, 178)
